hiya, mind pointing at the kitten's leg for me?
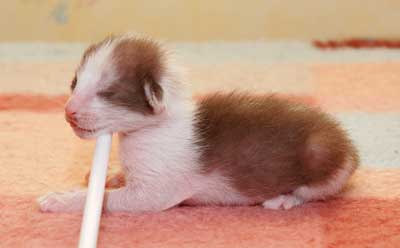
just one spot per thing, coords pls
(138, 198)
(69, 201)
(146, 198)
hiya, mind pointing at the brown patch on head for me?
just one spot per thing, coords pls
(138, 62)
(269, 146)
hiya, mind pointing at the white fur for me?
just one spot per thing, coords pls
(70, 201)
(283, 202)
(215, 189)
(158, 163)
(97, 69)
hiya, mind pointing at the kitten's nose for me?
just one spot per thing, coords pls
(70, 113)
(70, 116)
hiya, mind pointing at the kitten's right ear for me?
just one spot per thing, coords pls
(154, 96)
(73, 83)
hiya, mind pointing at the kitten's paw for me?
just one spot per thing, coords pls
(113, 181)
(70, 201)
(116, 181)
(283, 202)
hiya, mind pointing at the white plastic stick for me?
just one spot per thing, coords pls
(95, 193)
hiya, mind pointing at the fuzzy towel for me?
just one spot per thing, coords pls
(39, 152)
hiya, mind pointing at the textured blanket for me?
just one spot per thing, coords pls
(39, 153)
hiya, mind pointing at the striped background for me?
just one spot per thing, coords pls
(39, 152)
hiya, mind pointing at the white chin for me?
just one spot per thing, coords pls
(88, 134)
(85, 135)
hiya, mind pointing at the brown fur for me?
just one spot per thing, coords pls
(268, 146)
(138, 62)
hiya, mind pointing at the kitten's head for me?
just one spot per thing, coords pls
(120, 85)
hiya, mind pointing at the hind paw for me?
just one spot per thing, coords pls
(283, 202)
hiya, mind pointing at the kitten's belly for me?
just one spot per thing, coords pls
(214, 189)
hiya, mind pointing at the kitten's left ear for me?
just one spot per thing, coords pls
(154, 96)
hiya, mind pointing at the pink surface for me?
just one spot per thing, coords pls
(337, 223)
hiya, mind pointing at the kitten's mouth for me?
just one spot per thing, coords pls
(84, 130)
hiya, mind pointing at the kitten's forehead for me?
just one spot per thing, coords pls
(97, 66)
(137, 58)
(125, 57)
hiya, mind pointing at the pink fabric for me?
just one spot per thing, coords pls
(337, 223)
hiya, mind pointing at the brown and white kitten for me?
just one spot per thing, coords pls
(226, 149)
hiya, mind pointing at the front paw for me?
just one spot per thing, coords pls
(71, 201)
(113, 181)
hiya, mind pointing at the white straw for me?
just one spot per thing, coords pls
(95, 193)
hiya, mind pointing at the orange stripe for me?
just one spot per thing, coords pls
(35, 103)
(48, 103)
(366, 87)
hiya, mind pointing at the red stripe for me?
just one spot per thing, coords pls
(357, 44)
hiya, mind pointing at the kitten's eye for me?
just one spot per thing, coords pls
(73, 83)
(106, 94)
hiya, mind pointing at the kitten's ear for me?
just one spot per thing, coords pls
(154, 96)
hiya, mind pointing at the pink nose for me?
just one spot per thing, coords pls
(70, 113)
